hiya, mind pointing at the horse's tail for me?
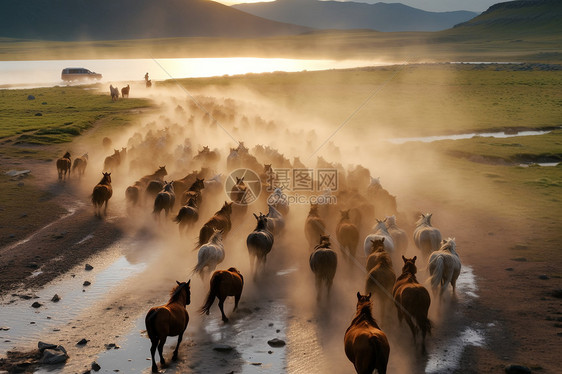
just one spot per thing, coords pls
(381, 349)
(150, 323)
(424, 323)
(436, 267)
(215, 284)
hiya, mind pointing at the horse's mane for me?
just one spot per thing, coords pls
(66, 155)
(364, 313)
(261, 224)
(424, 219)
(324, 245)
(380, 226)
(175, 293)
(384, 259)
(390, 221)
(449, 245)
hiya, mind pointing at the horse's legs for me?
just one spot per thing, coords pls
(175, 356)
(318, 288)
(329, 287)
(221, 306)
(152, 352)
(160, 351)
(412, 326)
(105, 209)
(236, 300)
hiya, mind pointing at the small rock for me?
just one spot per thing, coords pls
(30, 97)
(111, 345)
(58, 236)
(270, 325)
(95, 366)
(256, 363)
(86, 283)
(23, 215)
(38, 114)
(54, 356)
(278, 331)
(32, 265)
(42, 346)
(88, 267)
(4, 328)
(517, 369)
(276, 342)
(44, 103)
(82, 342)
(269, 352)
(223, 348)
(36, 304)
(21, 184)
(544, 277)
(55, 298)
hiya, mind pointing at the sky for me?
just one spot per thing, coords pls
(430, 5)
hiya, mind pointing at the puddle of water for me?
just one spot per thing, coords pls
(86, 238)
(429, 139)
(28, 324)
(547, 164)
(286, 271)
(466, 283)
(446, 357)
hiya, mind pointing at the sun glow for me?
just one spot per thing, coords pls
(232, 2)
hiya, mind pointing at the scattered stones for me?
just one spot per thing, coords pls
(86, 283)
(82, 342)
(223, 348)
(270, 325)
(54, 356)
(95, 366)
(517, 369)
(276, 342)
(544, 277)
(36, 305)
(111, 346)
(88, 267)
(30, 97)
(55, 298)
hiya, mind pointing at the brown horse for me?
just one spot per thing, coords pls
(412, 300)
(80, 164)
(314, 226)
(102, 193)
(188, 215)
(194, 191)
(366, 345)
(381, 277)
(125, 92)
(63, 165)
(220, 221)
(165, 200)
(224, 283)
(168, 320)
(347, 234)
(259, 243)
(323, 263)
(112, 162)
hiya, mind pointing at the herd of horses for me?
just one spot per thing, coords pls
(390, 278)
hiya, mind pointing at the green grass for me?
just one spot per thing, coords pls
(56, 115)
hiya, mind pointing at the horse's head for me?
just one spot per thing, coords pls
(363, 299)
(107, 177)
(183, 288)
(169, 186)
(324, 241)
(313, 209)
(425, 219)
(448, 244)
(377, 245)
(227, 207)
(161, 171)
(344, 214)
(66, 155)
(409, 265)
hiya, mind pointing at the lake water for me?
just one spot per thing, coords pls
(16, 74)
(429, 139)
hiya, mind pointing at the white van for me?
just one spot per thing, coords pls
(73, 74)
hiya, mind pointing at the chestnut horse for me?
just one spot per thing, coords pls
(102, 193)
(168, 320)
(80, 164)
(165, 200)
(125, 92)
(220, 221)
(224, 283)
(366, 345)
(347, 234)
(381, 277)
(63, 165)
(412, 300)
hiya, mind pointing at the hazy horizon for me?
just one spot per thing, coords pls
(428, 5)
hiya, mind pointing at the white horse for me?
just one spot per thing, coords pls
(379, 231)
(426, 237)
(444, 266)
(210, 254)
(398, 235)
(279, 201)
(275, 221)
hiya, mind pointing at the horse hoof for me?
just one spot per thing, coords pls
(155, 369)
(225, 320)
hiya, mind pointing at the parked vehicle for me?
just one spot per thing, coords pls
(73, 74)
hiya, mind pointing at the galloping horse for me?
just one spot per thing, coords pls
(194, 192)
(102, 193)
(112, 162)
(444, 266)
(398, 235)
(187, 215)
(275, 221)
(80, 164)
(210, 254)
(379, 231)
(426, 237)
(412, 300)
(366, 345)
(314, 226)
(165, 200)
(224, 283)
(63, 165)
(347, 234)
(259, 243)
(114, 91)
(220, 221)
(381, 277)
(168, 320)
(323, 263)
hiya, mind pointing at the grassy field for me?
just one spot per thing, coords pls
(55, 116)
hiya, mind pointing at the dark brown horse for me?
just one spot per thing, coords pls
(224, 283)
(168, 320)
(188, 215)
(323, 263)
(366, 345)
(63, 166)
(259, 243)
(381, 277)
(194, 191)
(102, 193)
(125, 92)
(220, 221)
(165, 200)
(412, 300)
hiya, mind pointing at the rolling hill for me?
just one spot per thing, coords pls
(354, 15)
(131, 19)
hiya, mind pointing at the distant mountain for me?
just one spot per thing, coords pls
(523, 17)
(354, 15)
(131, 19)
